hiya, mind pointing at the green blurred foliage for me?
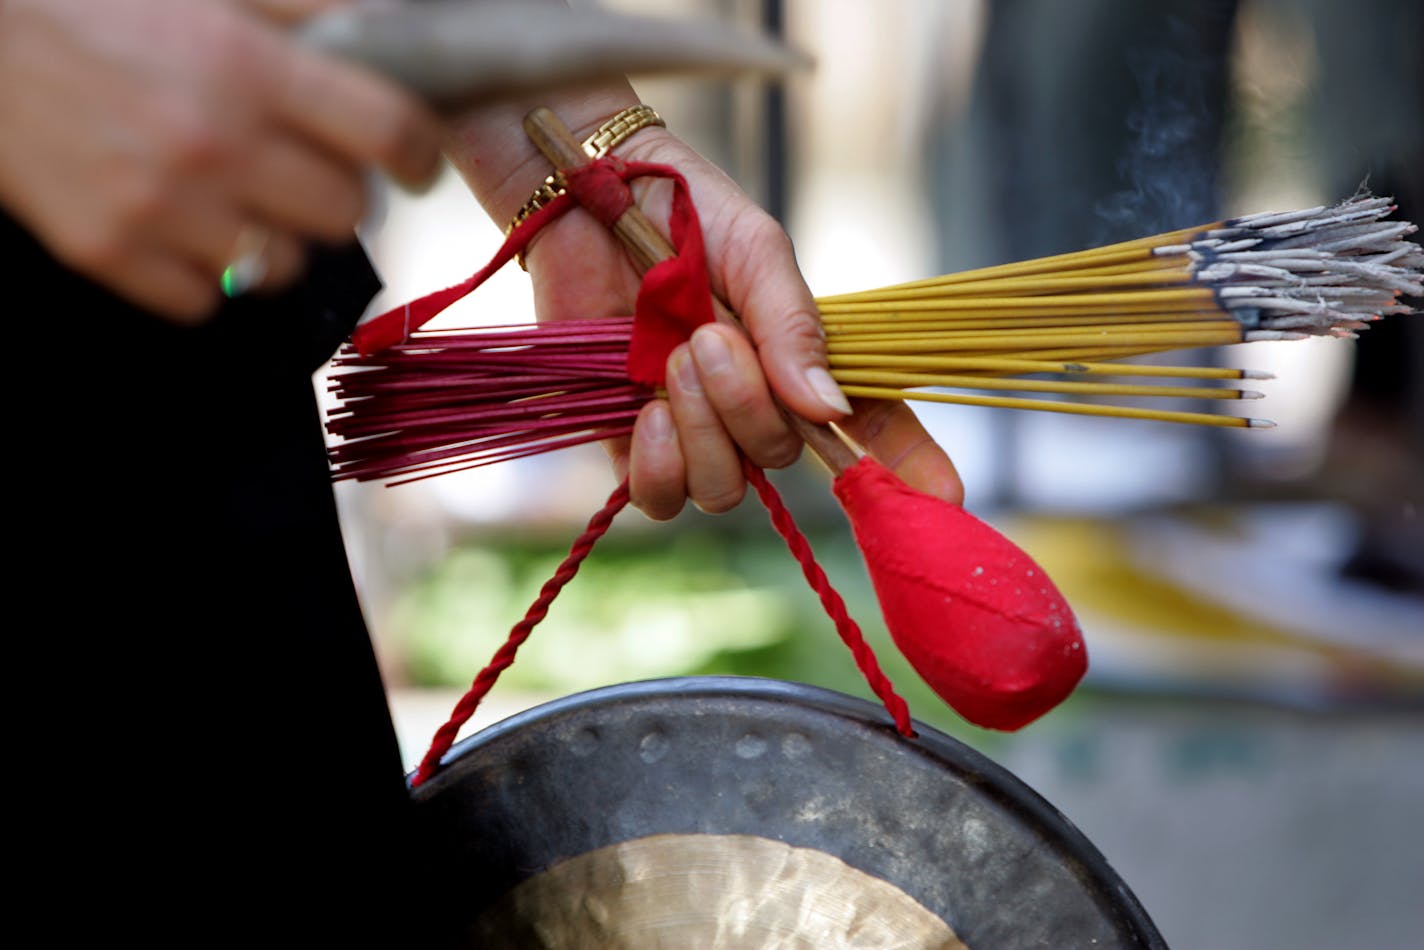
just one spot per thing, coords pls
(702, 596)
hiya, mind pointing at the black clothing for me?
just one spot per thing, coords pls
(208, 751)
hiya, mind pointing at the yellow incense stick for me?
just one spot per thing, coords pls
(1317, 271)
(916, 363)
(1073, 408)
(923, 380)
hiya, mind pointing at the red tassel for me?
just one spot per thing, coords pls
(979, 621)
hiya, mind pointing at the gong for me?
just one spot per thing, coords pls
(742, 812)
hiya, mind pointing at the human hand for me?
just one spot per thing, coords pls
(720, 384)
(147, 142)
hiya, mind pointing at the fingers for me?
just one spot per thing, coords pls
(728, 372)
(166, 285)
(298, 188)
(684, 448)
(357, 114)
(720, 386)
(283, 261)
(188, 291)
(657, 474)
(688, 446)
(891, 432)
(159, 134)
(714, 473)
(716, 395)
(765, 287)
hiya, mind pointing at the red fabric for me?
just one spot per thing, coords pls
(975, 616)
(600, 188)
(675, 297)
(398, 323)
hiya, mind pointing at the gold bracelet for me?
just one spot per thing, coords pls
(604, 139)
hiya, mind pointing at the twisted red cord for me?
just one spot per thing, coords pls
(504, 656)
(673, 312)
(835, 607)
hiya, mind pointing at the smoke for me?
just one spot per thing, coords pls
(1169, 162)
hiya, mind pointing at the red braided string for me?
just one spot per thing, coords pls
(601, 188)
(504, 656)
(835, 607)
(668, 298)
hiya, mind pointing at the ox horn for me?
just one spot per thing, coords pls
(461, 52)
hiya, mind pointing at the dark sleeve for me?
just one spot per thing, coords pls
(206, 692)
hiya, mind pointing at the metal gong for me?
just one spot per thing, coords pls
(729, 812)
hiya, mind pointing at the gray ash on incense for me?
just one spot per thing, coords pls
(1318, 271)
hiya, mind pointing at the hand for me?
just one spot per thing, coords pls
(144, 142)
(720, 384)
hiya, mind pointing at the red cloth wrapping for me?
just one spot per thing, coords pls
(979, 621)
(673, 301)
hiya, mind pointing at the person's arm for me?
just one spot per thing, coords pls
(146, 143)
(719, 386)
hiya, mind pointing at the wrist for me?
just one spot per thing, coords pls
(607, 136)
(501, 166)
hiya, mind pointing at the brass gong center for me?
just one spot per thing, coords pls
(709, 891)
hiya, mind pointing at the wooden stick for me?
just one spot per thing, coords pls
(647, 246)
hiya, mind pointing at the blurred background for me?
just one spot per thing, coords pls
(1248, 747)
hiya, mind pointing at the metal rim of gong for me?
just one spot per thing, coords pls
(801, 765)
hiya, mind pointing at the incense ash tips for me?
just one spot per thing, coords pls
(1059, 324)
(1319, 271)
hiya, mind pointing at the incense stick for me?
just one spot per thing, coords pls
(1279, 276)
(1074, 408)
(463, 398)
(945, 380)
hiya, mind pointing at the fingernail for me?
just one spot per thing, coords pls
(685, 371)
(657, 424)
(820, 379)
(711, 352)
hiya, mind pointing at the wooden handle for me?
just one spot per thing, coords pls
(647, 246)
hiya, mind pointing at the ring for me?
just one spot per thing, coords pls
(248, 264)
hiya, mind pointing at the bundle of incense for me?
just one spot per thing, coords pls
(1056, 325)
(1284, 276)
(443, 401)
